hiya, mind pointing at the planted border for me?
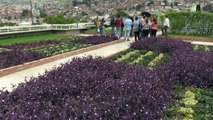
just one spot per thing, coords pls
(89, 89)
(45, 49)
(24, 66)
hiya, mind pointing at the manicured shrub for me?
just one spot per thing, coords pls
(160, 44)
(89, 88)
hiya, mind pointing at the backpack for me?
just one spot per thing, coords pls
(140, 27)
(112, 22)
(146, 26)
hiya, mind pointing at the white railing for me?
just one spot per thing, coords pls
(46, 27)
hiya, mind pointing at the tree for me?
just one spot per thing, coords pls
(121, 13)
(208, 8)
(75, 2)
(165, 2)
(59, 19)
(43, 14)
(25, 13)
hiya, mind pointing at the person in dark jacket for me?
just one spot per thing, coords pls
(136, 24)
(102, 26)
(132, 18)
(112, 23)
(122, 27)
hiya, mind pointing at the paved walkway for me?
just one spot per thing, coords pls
(19, 77)
(202, 43)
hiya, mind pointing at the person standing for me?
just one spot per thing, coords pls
(102, 26)
(112, 23)
(97, 25)
(142, 22)
(132, 18)
(146, 28)
(136, 24)
(128, 25)
(166, 26)
(118, 26)
(154, 27)
(122, 27)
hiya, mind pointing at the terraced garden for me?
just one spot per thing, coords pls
(157, 78)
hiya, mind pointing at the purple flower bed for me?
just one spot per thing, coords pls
(192, 68)
(89, 89)
(16, 57)
(22, 46)
(186, 66)
(160, 44)
(94, 40)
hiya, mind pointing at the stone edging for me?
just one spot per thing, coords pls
(17, 68)
(191, 38)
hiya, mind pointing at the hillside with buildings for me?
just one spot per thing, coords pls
(19, 9)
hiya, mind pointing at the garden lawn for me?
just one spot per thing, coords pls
(33, 38)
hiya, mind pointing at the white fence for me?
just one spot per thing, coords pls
(46, 27)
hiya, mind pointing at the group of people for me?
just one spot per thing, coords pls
(141, 28)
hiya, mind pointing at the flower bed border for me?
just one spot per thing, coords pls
(192, 38)
(17, 68)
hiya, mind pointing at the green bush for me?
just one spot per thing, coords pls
(59, 19)
(121, 13)
(189, 23)
(7, 24)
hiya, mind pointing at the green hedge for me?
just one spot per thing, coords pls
(190, 23)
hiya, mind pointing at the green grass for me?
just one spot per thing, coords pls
(33, 38)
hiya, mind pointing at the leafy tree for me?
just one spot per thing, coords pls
(75, 2)
(43, 14)
(122, 13)
(59, 19)
(176, 3)
(25, 13)
(165, 2)
(208, 8)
